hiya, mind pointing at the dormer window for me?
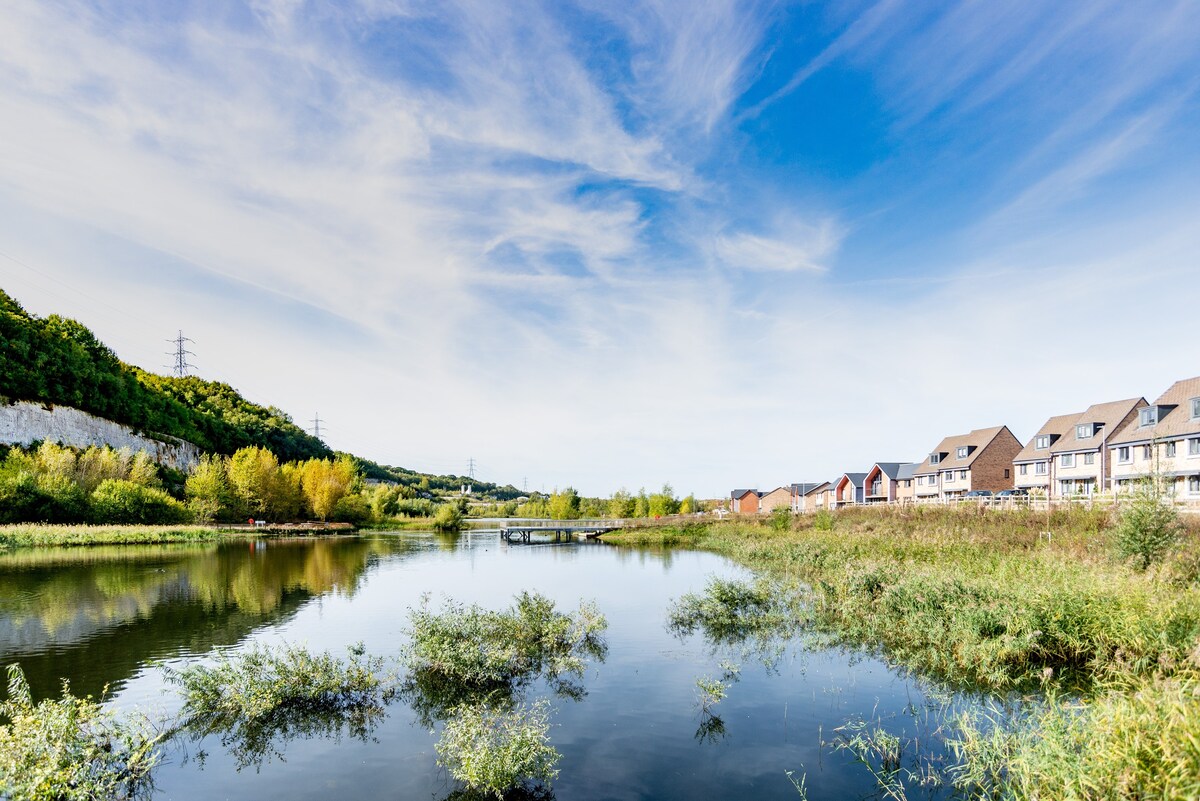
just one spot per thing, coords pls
(934, 458)
(1084, 431)
(1148, 416)
(963, 451)
(1041, 442)
(1195, 408)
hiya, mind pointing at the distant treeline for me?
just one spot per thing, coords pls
(59, 361)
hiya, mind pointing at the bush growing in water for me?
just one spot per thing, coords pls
(731, 611)
(479, 647)
(69, 749)
(448, 518)
(494, 751)
(263, 680)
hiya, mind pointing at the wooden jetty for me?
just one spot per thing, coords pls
(524, 530)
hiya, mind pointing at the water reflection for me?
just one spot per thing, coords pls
(98, 614)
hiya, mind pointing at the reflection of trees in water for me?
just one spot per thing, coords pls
(523, 793)
(254, 743)
(95, 615)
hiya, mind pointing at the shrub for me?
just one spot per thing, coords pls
(69, 749)
(823, 520)
(1148, 527)
(480, 647)
(116, 501)
(781, 518)
(262, 680)
(494, 751)
(448, 518)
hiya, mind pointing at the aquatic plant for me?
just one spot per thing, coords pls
(730, 612)
(482, 648)
(71, 749)
(262, 680)
(494, 751)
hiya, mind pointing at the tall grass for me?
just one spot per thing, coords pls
(1009, 601)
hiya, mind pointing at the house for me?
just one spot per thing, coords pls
(980, 460)
(1031, 465)
(1081, 465)
(744, 501)
(849, 489)
(823, 497)
(780, 496)
(1163, 441)
(882, 481)
(804, 496)
(906, 483)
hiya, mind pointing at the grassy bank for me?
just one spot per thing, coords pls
(37, 535)
(1008, 601)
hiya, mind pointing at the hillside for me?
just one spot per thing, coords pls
(59, 361)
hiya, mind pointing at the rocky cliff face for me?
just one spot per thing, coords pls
(23, 423)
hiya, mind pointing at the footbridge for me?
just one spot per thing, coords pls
(524, 530)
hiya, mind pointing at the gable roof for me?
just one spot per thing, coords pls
(1176, 422)
(809, 487)
(784, 488)
(975, 442)
(891, 469)
(857, 479)
(1056, 427)
(741, 493)
(906, 471)
(1107, 416)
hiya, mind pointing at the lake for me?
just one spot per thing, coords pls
(114, 615)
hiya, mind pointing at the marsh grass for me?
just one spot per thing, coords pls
(496, 751)
(29, 535)
(1005, 602)
(71, 749)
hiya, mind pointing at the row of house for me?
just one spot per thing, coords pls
(1106, 447)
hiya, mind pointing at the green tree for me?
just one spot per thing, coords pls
(688, 506)
(641, 504)
(621, 505)
(254, 476)
(207, 489)
(663, 502)
(1148, 526)
(564, 505)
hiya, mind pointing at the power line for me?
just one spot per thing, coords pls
(471, 468)
(316, 429)
(180, 354)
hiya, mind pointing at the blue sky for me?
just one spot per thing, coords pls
(618, 244)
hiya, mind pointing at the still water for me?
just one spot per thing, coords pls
(113, 616)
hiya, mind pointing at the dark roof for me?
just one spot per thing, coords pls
(808, 486)
(736, 494)
(906, 471)
(892, 469)
(857, 479)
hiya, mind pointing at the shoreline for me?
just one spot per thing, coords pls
(44, 535)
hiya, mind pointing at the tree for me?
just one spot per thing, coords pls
(663, 502)
(253, 474)
(325, 482)
(207, 489)
(688, 506)
(564, 505)
(641, 504)
(621, 504)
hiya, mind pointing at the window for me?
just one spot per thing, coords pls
(1147, 452)
(962, 475)
(1195, 408)
(949, 475)
(1007, 473)
(1194, 485)
(1148, 416)
(1024, 470)
(934, 458)
(1041, 442)
(1123, 455)
(1194, 446)
(962, 452)
(1084, 431)
(1040, 468)
(932, 480)
(1169, 449)
(876, 487)
(1089, 458)
(1067, 460)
